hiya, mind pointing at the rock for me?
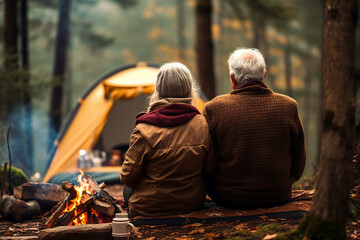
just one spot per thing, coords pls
(17, 210)
(46, 194)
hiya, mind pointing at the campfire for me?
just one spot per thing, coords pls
(87, 203)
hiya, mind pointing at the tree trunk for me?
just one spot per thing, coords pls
(10, 45)
(28, 146)
(327, 218)
(60, 63)
(181, 28)
(204, 48)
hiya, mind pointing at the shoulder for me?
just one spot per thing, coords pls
(217, 101)
(199, 120)
(287, 101)
(285, 98)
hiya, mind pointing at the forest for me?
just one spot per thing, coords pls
(52, 52)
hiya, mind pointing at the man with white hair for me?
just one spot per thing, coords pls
(258, 138)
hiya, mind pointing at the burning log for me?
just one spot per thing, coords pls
(87, 203)
(51, 220)
(68, 217)
(104, 208)
(69, 187)
(102, 194)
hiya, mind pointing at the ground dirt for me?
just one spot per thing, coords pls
(255, 229)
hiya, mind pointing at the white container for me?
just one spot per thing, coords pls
(121, 226)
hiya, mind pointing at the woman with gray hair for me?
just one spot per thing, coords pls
(169, 150)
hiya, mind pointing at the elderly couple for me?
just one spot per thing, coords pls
(245, 151)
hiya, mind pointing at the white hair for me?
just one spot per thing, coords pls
(247, 64)
(173, 80)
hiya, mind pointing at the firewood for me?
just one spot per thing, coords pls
(69, 187)
(47, 194)
(68, 217)
(52, 210)
(100, 231)
(52, 219)
(101, 194)
(103, 208)
(102, 185)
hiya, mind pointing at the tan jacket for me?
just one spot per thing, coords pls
(165, 166)
(260, 145)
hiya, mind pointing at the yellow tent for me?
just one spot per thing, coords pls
(85, 124)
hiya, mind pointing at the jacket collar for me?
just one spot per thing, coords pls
(253, 86)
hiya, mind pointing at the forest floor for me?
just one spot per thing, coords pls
(263, 229)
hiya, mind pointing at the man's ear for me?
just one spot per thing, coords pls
(233, 81)
(265, 72)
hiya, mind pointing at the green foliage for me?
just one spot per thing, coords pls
(316, 228)
(17, 177)
(240, 235)
(269, 228)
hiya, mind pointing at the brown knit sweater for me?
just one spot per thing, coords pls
(259, 143)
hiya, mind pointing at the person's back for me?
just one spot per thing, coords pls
(259, 142)
(168, 150)
(175, 158)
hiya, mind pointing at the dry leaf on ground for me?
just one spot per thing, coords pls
(193, 225)
(241, 226)
(197, 231)
(270, 236)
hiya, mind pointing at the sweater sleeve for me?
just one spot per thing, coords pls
(298, 152)
(132, 167)
(210, 162)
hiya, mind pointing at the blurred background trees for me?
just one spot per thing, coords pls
(108, 33)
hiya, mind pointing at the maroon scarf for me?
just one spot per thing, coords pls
(170, 115)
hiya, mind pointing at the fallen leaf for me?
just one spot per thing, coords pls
(353, 236)
(354, 223)
(263, 217)
(150, 238)
(197, 231)
(240, 226)
(193, 225)
(270, 236)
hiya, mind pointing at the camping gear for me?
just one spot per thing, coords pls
(103, 117)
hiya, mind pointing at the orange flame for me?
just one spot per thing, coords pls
(73, 204)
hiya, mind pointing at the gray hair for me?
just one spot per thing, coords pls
(247, 64)
(173, 80)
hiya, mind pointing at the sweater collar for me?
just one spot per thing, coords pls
(253, 86)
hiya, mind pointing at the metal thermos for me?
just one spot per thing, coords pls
(84, 160)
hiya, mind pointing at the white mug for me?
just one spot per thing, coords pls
(121, 226)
